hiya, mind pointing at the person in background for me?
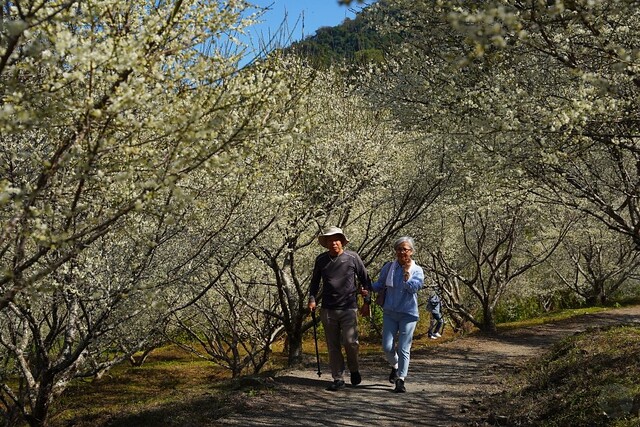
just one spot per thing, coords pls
(337, 269)
(401, 279)
(434, 306)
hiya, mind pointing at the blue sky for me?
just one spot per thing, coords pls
(302, 17)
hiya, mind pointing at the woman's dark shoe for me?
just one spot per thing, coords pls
(400, 386)
(336, 385)
(393, 376)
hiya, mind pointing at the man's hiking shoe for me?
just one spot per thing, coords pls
(355, 378)
(336, 385)
(393, 376)
(437, 335)
(400, 386)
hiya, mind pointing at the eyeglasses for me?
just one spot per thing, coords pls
(403, 250)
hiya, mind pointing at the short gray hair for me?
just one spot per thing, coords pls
(404, 239)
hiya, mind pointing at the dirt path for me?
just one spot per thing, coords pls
(443, 382)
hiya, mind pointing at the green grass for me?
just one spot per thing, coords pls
(550, 317)
(170, 386)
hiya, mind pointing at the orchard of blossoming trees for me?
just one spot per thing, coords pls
(535, 105)
(122, 126)
(153, 190)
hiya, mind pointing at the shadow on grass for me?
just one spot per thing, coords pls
(181, 408)
(201, 411)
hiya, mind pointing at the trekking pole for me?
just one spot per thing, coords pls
(315, 339)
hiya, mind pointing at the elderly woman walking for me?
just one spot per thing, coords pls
(400, 281)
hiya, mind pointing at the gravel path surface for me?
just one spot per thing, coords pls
(444, 382)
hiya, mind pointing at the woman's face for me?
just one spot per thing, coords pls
(403, 253)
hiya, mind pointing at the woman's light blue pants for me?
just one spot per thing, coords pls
(397, 335)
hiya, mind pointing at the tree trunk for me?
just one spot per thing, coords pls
(143, 357)
(40, 412)
(294, 357)
(597, 295)
(488, 321)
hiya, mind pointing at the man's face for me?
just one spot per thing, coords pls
(334, 244)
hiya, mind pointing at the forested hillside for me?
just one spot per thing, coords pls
(355, 41)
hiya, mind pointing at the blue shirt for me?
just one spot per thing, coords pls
(403, 296)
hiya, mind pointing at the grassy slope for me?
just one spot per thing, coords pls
(589, 379)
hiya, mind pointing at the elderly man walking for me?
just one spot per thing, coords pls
(337, 269)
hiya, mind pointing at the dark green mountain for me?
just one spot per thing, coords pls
(355, 41)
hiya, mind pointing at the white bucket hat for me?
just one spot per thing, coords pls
(332, 231)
